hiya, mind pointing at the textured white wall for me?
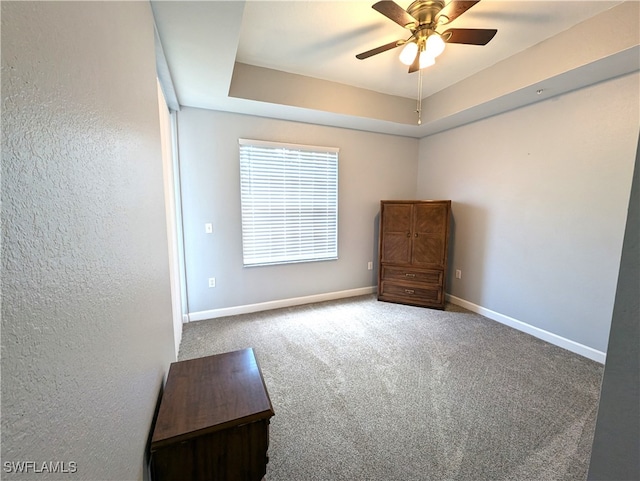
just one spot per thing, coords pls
(371, 167)
(86, 313)
(539, 204)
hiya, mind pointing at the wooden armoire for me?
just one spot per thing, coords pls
(413, 247)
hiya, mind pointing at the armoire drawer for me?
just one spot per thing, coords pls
(412, 293)
(422, 276)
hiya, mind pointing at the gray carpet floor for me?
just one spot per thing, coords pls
(368, 390)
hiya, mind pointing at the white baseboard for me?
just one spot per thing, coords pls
(547, 336)
(265, 306)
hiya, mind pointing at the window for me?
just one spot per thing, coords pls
(289, 196)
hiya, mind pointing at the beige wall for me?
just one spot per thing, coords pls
(273, 86)
(371, 167)
(539, 204)
(86, 308)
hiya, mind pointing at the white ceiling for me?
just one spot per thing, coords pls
(319, 39)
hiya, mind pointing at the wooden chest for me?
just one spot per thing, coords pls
(213, 421)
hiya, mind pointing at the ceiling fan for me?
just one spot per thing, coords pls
(422, 18)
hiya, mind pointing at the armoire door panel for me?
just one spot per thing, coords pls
(428, 251)
(397, 218)
(430, 218)
(396, 248)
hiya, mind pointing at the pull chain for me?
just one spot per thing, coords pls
(419, 106)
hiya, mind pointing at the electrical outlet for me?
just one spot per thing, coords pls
(208, 228)
(212, 282)
(458, 274)
(369, 265)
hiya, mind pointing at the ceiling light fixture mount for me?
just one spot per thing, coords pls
(425, 11)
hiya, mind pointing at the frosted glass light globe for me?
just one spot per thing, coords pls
(408, 54)
(435, 45)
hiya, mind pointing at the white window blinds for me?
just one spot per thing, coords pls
(289, 196)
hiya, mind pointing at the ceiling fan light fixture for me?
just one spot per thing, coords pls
(435, 45)
(409, 52)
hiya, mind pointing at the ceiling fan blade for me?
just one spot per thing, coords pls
(395, 12)
(469, 36)
(376, 51)
(415, 66)
(454, 9)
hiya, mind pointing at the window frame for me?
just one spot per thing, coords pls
(310, 205)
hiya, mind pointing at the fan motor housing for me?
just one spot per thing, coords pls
(425, 11)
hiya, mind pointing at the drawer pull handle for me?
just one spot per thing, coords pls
(409, 291)
(408, 234)
(409, 275)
